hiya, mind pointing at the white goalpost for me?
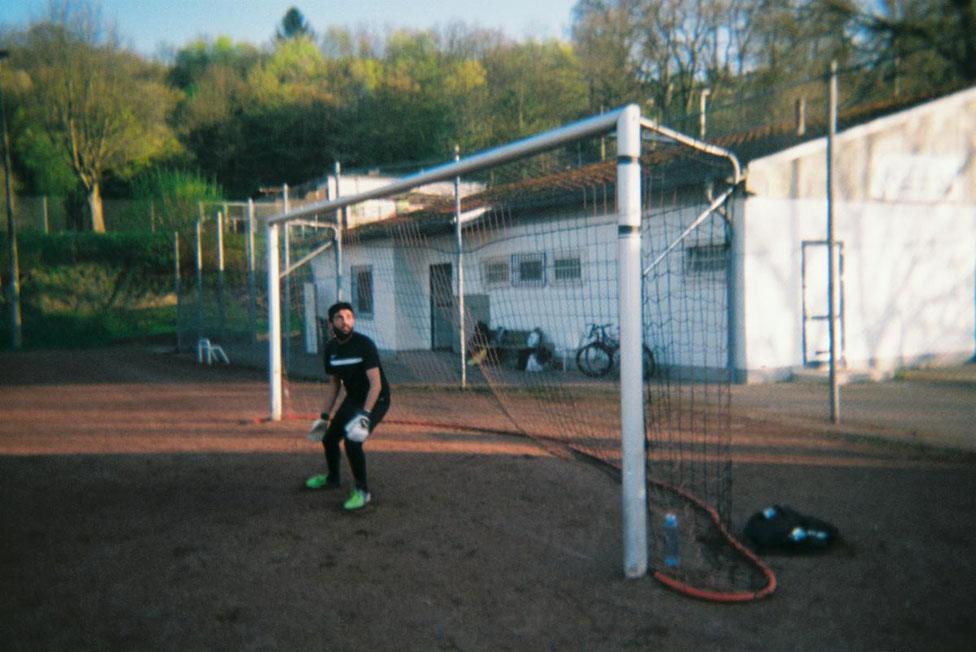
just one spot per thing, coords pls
(626, 122)
(477, 294)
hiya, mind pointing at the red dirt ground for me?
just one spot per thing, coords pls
(144, 505)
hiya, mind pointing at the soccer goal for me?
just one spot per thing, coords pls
(572, 287)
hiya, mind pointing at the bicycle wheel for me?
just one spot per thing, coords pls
(649, 365)
(594, 359)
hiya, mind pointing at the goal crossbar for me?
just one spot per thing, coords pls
(626, 123)
(541, 142)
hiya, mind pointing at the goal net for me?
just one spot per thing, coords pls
(571, 287)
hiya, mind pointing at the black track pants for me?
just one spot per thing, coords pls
(354, 450)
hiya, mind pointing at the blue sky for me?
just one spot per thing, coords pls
(148, 24)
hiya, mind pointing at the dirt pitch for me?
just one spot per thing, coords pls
(145, 506)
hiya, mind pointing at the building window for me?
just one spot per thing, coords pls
(567, 268)
(495, 271)
(706, 258)
(529, 269)
(362, 291)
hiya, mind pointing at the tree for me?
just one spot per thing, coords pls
(294, 25)
(104, 108)
(935, 37)
(532, 87)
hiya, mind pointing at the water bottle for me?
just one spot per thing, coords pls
(798, 534)
(672, 543)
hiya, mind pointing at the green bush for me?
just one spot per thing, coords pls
(87, 289)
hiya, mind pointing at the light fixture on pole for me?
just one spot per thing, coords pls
(13, 284)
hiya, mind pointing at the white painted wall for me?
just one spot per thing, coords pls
(908, 282)
(905, 209)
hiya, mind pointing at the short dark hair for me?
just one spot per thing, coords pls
(336, 307)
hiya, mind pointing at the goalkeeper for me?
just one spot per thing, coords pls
(352, 365)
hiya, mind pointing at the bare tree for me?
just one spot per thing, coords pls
(105, 107)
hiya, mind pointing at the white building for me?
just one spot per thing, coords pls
(905, 227)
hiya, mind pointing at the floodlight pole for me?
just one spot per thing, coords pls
(831, 246)
(629, 277)
(13, 285)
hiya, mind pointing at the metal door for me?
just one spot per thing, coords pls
(816, 307)
(442, 319)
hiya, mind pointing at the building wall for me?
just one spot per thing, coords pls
(905, 210)
(685, 312)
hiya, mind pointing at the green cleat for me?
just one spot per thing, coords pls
(320, 482)
(357, 500)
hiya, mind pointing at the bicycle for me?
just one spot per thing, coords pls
(598, 352)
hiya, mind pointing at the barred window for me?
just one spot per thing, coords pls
(362, 290)
(529, 269)
(495, 271)
(706, 258)
(566, 268)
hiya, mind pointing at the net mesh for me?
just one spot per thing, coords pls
(531, 343)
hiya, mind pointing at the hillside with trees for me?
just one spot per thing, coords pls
(90, 118)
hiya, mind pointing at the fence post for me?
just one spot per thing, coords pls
(199, 264)
(220, 275)
(177, 288)
(286, 232)
(252, 290)
(460, 270)
(340, 227)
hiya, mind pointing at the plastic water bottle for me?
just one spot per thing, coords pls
(672, 543)
(798, 534)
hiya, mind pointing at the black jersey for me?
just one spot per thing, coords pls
(349, 360)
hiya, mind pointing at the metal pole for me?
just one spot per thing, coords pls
(593, 126)
(702, 105)
(47, 223)
(177, 288)
(274, 323)
(831, 253)
(252, 290)
(13, 285)
(633, 464)
(338, 235)
(287, 300)
(199, 262)
(460, 270)
(220, 274)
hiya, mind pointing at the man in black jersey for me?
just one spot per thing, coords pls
(352, 365)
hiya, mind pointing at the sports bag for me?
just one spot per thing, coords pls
(780, 527)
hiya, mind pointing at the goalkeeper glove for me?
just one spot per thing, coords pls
(357, 429)
(317, 432)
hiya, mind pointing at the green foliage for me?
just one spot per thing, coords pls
(294, 25)
(248, 116)
(104, 108)
(194, 59)
(85, 289)
(175, 195)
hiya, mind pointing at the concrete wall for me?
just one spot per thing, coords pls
(905, 210)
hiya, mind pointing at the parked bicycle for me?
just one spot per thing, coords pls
(598, 352)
